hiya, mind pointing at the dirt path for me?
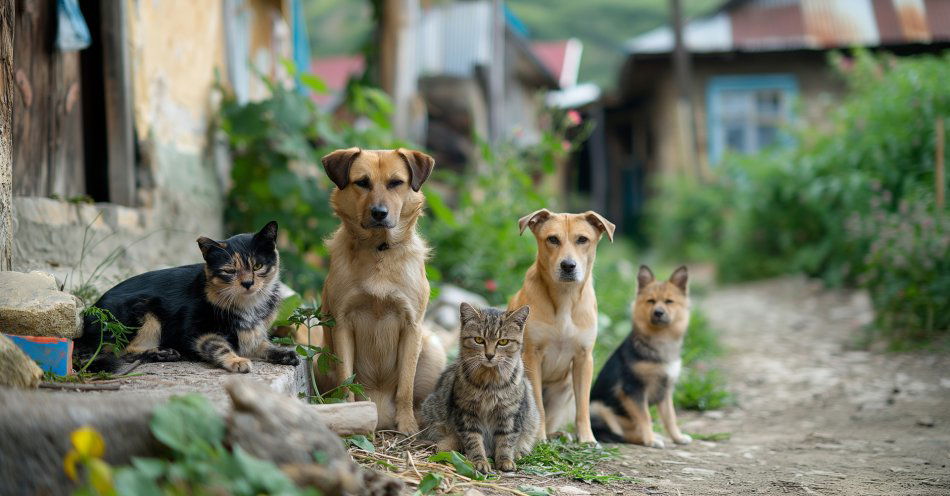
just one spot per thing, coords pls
(813, 416)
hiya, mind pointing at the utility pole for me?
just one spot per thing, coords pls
(685, 117)
(397, 61)
(496, 74)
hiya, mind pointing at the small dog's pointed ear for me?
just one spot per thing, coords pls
(420, 166)
(338, 163)
(208, 244)
(644, 277)
(519, 316)
(467, 312)
(602, 224)
(534, 219)
(680, 278)
(267, 234)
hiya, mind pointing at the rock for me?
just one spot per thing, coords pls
(926, 421)
(35, 428)
(347, 419)
(288, 432)
(32, 305)
(17, 369)
(698, 471)
(473, 492)
(571, 490)
(445, 309)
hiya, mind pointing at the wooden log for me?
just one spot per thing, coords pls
(347, 419)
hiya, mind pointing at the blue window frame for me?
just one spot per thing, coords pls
(745, 113)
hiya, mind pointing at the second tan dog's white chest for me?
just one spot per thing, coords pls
(559, 342)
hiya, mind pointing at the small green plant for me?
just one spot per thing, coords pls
(578, 461)
(701, 388)
(108, 325)
(319, 358)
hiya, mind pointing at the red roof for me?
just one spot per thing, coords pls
(561, 57)
(335, 72)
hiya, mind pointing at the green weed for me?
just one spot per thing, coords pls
(577, 461)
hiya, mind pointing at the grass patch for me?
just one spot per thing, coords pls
(575, 461)
(715, 436)
(84, 377)
(701, 389)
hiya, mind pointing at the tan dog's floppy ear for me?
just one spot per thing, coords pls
(644, 277)
(680, 278)
(519, 316)
(337, 164)
(467, 312)
(420, 166)
(598, 221)
(207, 244)
(533, 219)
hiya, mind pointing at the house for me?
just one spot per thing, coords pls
(757, 65)
(116, 164)
(452, 51)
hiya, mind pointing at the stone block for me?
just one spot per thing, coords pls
(32, 305)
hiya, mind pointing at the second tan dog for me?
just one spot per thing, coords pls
(562, 327)
(376, 289)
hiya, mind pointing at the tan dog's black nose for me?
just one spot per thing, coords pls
(379, 212)
(658, 312)
(568, 265)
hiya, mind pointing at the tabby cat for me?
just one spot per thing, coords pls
(482, 402)
(219, 311)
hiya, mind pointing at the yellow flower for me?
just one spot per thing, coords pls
(88, 442)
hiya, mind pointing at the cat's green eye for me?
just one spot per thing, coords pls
(258, 266)
(479, 340)
(502, 342)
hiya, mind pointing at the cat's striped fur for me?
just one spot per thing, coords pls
(482, 404)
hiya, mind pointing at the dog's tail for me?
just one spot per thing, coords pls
(602, 431)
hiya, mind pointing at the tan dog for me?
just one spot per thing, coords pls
(562, 327)
(376, 289)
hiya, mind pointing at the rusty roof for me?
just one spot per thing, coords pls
(775, 25)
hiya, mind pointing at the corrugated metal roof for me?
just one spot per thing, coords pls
(767, 25)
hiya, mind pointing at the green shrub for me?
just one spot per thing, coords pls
(276, 146)
(906, 268)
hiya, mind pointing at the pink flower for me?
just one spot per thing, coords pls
(574, 117)
(566, 145)
(491, 285)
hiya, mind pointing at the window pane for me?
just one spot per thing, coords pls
(768, 103)
(766, 135)
(735, 136)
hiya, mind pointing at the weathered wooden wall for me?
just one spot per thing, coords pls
(48, 140)
(6, 134)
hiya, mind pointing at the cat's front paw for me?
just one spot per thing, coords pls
(482, 466)
(506, 465)
(237, 364)
(283, 356)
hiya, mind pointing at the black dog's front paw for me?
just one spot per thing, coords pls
(283, 356)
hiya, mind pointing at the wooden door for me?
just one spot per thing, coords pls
(47, 119)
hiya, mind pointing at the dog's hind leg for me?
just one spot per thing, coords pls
(641, 429)
(559, 405)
